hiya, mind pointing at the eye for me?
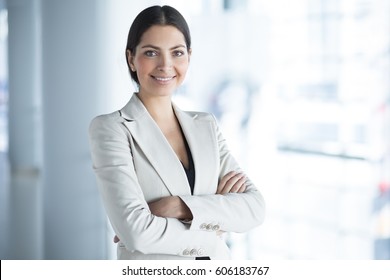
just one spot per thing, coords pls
(150, 53)
(178, 53)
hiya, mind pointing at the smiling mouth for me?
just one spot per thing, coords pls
(163, 79)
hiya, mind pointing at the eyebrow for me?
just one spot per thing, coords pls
(157, 48)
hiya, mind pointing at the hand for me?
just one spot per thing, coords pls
(232, 182)
(170, 207)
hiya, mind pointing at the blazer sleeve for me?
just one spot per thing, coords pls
(232, 212)
(127, 210)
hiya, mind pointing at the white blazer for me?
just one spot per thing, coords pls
(135, 164)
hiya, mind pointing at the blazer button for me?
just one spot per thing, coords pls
(216, 227)
(193, 252)
(209, 226)
(203, 226)
(186, 252)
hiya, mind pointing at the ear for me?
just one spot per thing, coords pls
(130, 60)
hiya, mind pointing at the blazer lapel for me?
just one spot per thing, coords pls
(155, 147)
(201, 138)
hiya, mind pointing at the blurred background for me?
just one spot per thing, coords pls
(301, 90)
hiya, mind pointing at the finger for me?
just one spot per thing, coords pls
(231, 182)
(242, 189)
(224, 180)
(238, 185)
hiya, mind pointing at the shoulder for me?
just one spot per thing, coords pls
(106, 122)
(105, 119)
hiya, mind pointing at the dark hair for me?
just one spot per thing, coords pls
(155, 15)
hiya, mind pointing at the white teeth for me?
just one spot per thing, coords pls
(163, 79)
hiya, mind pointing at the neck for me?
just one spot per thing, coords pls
(160, 108)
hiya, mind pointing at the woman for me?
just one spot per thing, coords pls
(168, 182)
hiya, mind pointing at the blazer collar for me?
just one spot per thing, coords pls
(133, 109)
(159, 152)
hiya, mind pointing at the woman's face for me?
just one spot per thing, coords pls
(161, 60)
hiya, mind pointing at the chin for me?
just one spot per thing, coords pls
(164, 92)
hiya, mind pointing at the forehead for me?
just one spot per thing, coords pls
(162, 36)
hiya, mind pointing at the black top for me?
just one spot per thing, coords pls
(190, 172)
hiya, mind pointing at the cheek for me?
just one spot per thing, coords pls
(143, 64)
(183, 66)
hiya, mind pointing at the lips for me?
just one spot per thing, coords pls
(163, 79)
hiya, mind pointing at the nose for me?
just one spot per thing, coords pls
(165, 62)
